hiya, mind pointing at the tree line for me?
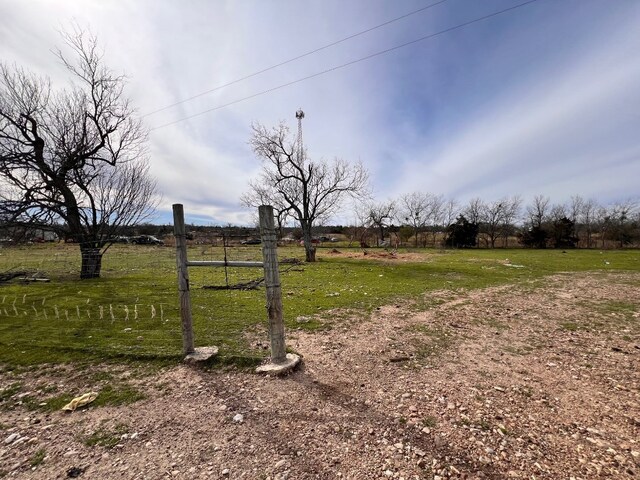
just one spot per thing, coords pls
(310, 191)
(425, 219)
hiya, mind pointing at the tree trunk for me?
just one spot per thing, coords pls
(309, 249)
(91, 262)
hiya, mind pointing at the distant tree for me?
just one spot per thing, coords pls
(573, 213)
(538, 211)
(562, 233)
(604, 222)
(311, 190)
(450, 211)
(380, 216)
(264, 195)
(534, 237)
(359, 231)
(535, 233)
(73, 160)
(435, 215)
(462, 234)
(588, 213)
(405, 233)
(473, 212)
(413, 211)
(297, 233)
(621, 225)
(510, 215)
(492, 219)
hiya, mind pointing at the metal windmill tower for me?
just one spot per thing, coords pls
(299, 143)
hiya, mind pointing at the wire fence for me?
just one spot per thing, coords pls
(130, 310)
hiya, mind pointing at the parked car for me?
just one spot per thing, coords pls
(120, 239)
(251, 241)
(146, 240)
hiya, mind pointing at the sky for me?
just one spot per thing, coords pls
(543, 99)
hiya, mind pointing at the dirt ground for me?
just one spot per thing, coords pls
(539, 381)
(390, 255)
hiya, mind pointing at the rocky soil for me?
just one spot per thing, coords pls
(538, 381)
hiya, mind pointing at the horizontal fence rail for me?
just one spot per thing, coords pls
(224, 263)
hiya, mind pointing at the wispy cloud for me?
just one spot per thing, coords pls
(543, 100)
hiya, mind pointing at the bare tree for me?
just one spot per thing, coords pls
(604, 223)
(558, 211)
(510, 215)
(380, 216)
(574, 209)
(73, 160)
(588, 214)
(266, 195)
(473, 213)
(492, 219)
(538, 211)
(621, 215)
(450, 212)
(359, 230)
(435, 214)
(413, 211)
(312, 190)
(473, 210)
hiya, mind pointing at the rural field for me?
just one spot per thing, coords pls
(417, 364)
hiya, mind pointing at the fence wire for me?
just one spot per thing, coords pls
(131, 309)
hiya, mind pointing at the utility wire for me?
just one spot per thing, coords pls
(311, 52)
(353, 62)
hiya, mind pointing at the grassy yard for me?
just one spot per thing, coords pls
(131, 312)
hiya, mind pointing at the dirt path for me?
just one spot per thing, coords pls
(538, 381)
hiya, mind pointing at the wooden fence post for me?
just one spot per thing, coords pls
(281, 362)
(272, 283)
(183, 279)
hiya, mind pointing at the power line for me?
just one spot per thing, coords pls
(352, 62)
(311, 52)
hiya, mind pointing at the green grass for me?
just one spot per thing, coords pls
(570, 326)
(38, 457)
(430, 421)
(431, 342)
(104, 437)
(131, 313)
(10, 391)
(112, 394)
(621, 309)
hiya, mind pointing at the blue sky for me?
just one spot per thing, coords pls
(544, 99)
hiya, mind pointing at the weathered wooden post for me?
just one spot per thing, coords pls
(183, 279)
(191, 353)
(280, 360)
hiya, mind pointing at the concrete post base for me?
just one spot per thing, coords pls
(202, 354)
(291, 361)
